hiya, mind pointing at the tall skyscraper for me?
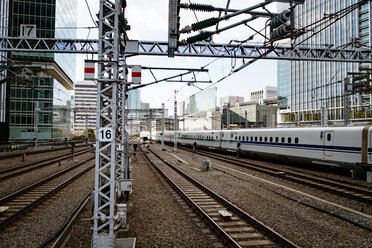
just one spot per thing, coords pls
(52, 74)
(309, 86)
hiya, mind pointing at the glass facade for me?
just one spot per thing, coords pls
(134, 102)
(203, 101)
(51, 18)
(309, 86)
(284, 79)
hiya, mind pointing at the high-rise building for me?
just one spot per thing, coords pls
(51, 76)
(134, 102)
(85, 114)
(264, 93)
(305, 87)
(205, 100)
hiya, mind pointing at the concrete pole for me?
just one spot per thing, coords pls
(162, 127)
(36, 122)
(228, 116)
(246, 120)
(86, 128)
(175, 121)
(150, 126)
(346, 102)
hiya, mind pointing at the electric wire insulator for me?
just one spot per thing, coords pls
(201, 7)
(199, 37)
(204, 24)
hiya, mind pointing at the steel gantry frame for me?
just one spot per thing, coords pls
(111, 47)
(159, 48)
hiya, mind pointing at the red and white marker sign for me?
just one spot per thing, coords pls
(89, 70)
(136, 74)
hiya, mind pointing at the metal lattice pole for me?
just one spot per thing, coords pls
(107, 99)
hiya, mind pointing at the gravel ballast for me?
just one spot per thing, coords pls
(302, 225)
(155, 218)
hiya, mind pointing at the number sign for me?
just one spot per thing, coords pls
(105, 134)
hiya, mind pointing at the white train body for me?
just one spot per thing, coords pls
(348, 147)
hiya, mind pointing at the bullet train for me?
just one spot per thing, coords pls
(347, 147)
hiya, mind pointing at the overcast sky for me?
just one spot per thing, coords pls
(149, 21)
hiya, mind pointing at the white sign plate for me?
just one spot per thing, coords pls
(120, 148)
(105, 134)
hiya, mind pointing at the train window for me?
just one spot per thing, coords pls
(271, 139)
(265, 139)
(223, 135)
(329, 137)
(239, 137)
(296, 140)
(247, 138)
(289, 140)
(276, 139)
(260, 139)
(255, 138)
(283, 139)
(251, 138)
(236, 137)
(231, 135)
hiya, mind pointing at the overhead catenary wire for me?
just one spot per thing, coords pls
(90, 13)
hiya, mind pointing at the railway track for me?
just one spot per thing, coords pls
(62, 235)
(22, 201)
(235, 227)
(20, 154)
(21, 169)
(345, 189)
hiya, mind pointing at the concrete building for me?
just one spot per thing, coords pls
(264, 93)
(305, 87)
(257, 116)
(205, 120)
(231, 99)
(42, 79)
(85, 106)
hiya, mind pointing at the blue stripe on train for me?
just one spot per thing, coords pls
(346, 149)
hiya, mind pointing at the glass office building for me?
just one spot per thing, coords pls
(51, 18)
(309, 86)
(134, 102)
(205, 100)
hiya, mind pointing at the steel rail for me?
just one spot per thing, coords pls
(9, 173)
(22, 207)
(6, 156)
(219, 230)
(350, 191)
